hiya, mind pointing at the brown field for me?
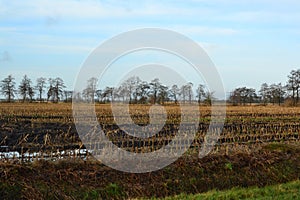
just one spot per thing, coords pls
(44, 126)
(258, 146)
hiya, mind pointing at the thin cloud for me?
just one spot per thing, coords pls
(261, 16)
(62, 48)
(219, 10)
(91, 9)
(52, 20)
(8, 29)
(202, 30)
(5, 57)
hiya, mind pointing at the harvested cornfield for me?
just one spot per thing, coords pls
(50, 130)
(42, 156)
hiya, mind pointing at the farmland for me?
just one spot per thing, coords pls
(51, 127)
(258, 147)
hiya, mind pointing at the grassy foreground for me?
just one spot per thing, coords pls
(289, 190)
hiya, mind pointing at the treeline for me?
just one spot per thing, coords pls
(137, 91)
(27, 91)
(274, 93)
(133, 90)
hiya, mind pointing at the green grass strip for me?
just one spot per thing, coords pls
(289, 190)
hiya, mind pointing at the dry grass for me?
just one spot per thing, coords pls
(48, 127)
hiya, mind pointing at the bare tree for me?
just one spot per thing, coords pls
(251, 95)
(183, 93)
(31, 93)
(186, 92)
(209, 97)
(90, 90)
(190, 93)
(154, 89)
(293, 85)
(55, 90)
(50, 93)
(135, 82)
(200, 92)
(163, 94)
(40, 86)
(68, 95)
(24, 87)
(277, 92)
(123, 92)
(264, 93)
(58, 88)
(174, 92)
(131, 84)
(8, 87)
(99, 94)
(243, 96)
(142, 92)
(108, 94)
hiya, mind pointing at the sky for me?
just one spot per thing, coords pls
(249, 41)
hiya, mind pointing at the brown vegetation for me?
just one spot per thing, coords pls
(258, 146)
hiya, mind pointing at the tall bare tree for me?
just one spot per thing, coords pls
(59, 86)
(163, 94)
(277, 92)
(99, 94)
(154, 89)
(40, 86)
(200, 92)
(190, 93)
(123, 92)
(264, 93)
(293, 85)
(108, 94)
(142, 91)
(131, 85)
(8, 87)
(186, 92)
(68, 95)
(55, 90)
(50, 92)
(174, 93)
(90, 91)
(209, 97)
(24, 87)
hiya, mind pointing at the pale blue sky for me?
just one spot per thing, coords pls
(250, 41)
